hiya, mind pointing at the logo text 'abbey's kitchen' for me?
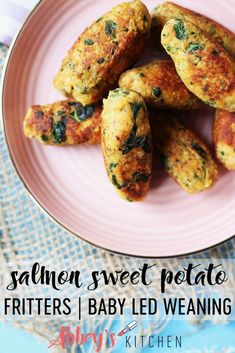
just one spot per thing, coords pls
(99, 340)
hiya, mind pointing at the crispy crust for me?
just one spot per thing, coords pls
(126, 144)
(224, 138)
(160, 86)
(103, 51)
(169, 10)
(41, 120)
(184, 156)
(202, 64)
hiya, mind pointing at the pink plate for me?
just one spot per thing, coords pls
(71, 183)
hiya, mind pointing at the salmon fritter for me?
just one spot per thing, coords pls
(184, 156)
(160, 86)
(168, 10)
(126, 143)
(64, 123)
(224, 138)
(103, 51)
(203, 65)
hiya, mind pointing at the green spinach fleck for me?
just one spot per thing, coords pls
(81, 112)
(212, 30)
(214, 52)
(115, 182)
(110, 28)
(112, 165)
(138, 141)
(140, 177)
(202, 153)
(197, 59)
(72, 104)
(84, 90)
(59, 132)
(44, 138)
(71, 66)
(60, 112)
(157, 92)
(117, 91)
(211, 102)
(100, 61)
(194, 47)
(89, 41)
(196, 176)
(180, 30)
(134, 141)
(168, 48)
(39, 114)
(135, 107)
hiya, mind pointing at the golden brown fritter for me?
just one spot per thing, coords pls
(160, 86)
(126, 143)
(64, 123)
(184, 156)
(168, 10)
(103, 51)
(224, 138)
(203, 65)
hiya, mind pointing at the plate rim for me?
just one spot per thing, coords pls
(30, 193)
